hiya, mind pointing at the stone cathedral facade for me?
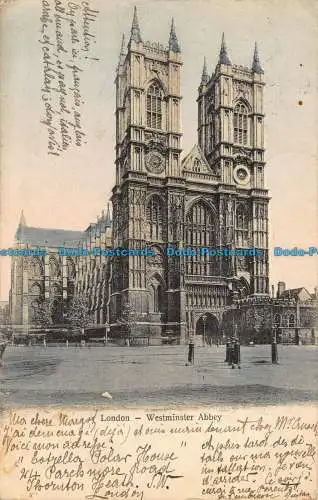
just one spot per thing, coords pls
(214, 197)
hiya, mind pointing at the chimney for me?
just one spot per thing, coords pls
(281, 287)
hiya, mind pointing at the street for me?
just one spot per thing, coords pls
(156, 375)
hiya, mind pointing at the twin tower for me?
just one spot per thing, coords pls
(212, 197)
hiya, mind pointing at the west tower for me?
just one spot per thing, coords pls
(148, 195)
(231, 136)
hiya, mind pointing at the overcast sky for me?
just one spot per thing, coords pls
(68, 192)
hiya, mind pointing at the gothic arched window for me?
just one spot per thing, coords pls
(285, 321)
(156, 296)
(197, 165)
(154, 106)
(154, 217)
(241, 124)
(241, 225)
(35, 266)
(201, 232)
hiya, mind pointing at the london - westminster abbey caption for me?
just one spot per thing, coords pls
(213, 197)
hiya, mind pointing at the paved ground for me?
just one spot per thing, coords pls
(152, 375)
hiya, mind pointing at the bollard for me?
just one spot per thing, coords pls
(274, 353)
(191, 353)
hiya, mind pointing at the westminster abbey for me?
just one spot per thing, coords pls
(213, 196)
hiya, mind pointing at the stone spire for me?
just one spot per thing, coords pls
(22, 222)
(108, 220)
(122, 54)
(98, 227)
(20, 230)
(205, 77)
(173, 40)
(224, 58)
(256, 66)
(135, 30)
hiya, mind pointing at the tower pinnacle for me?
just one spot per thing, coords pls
(21, 226)
(205, 76)
(108, 220)
(256, 66)
(135, 30)
(173, 40)
(224, 58)
(122, 54)
(22, 222)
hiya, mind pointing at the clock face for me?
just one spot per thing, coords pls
(241, 175)
(155, 162)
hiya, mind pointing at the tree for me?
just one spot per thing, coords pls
(42, 314)
(78, 314)
(128, 320)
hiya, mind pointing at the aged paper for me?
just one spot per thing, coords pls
(160, 454)
(158, 250)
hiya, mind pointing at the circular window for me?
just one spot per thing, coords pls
(241, 175)
(155, 162)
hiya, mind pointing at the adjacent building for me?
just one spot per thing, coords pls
(48, 274)
(290, 315)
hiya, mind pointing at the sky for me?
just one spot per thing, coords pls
(70, 191)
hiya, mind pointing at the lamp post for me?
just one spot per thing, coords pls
(191, 350)
(274, 340)
(274, 346)
(204, 318)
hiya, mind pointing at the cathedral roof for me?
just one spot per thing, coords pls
(39, 236)
(295, 293)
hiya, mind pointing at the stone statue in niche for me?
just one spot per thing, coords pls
(156, 260)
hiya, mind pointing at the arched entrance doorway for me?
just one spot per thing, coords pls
(208, 328)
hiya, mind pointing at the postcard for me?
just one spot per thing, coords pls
(158, 250)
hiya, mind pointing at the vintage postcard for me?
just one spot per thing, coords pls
(158, 252)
